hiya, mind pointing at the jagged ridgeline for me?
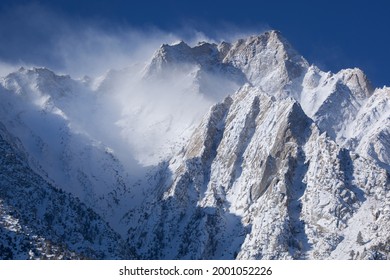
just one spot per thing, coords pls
(237, 150)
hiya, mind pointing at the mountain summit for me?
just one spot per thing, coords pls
(236, 150)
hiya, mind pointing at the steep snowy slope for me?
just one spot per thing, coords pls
(258, 180)
(38, 221)
(52, 116)
(370, 130)
(334, 100)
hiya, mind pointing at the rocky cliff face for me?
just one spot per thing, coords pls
(259, 180)
(289, 163)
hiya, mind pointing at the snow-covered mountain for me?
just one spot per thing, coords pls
(38, 220)
(260, 180)
(217, 151)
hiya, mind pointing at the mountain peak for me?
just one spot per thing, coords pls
(42, 72)
(204, 55)
(267, 60)
(271, 40)
(257, 57)
(180, 43)
(357, 80)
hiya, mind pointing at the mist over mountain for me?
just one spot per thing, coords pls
(229, 150)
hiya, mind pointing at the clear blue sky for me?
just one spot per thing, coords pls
(331, 34)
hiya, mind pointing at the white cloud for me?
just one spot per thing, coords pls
(92, 51)
(6, 68)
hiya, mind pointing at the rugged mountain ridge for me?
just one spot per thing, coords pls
(289, 163)
(269, 62)
(306, 189)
